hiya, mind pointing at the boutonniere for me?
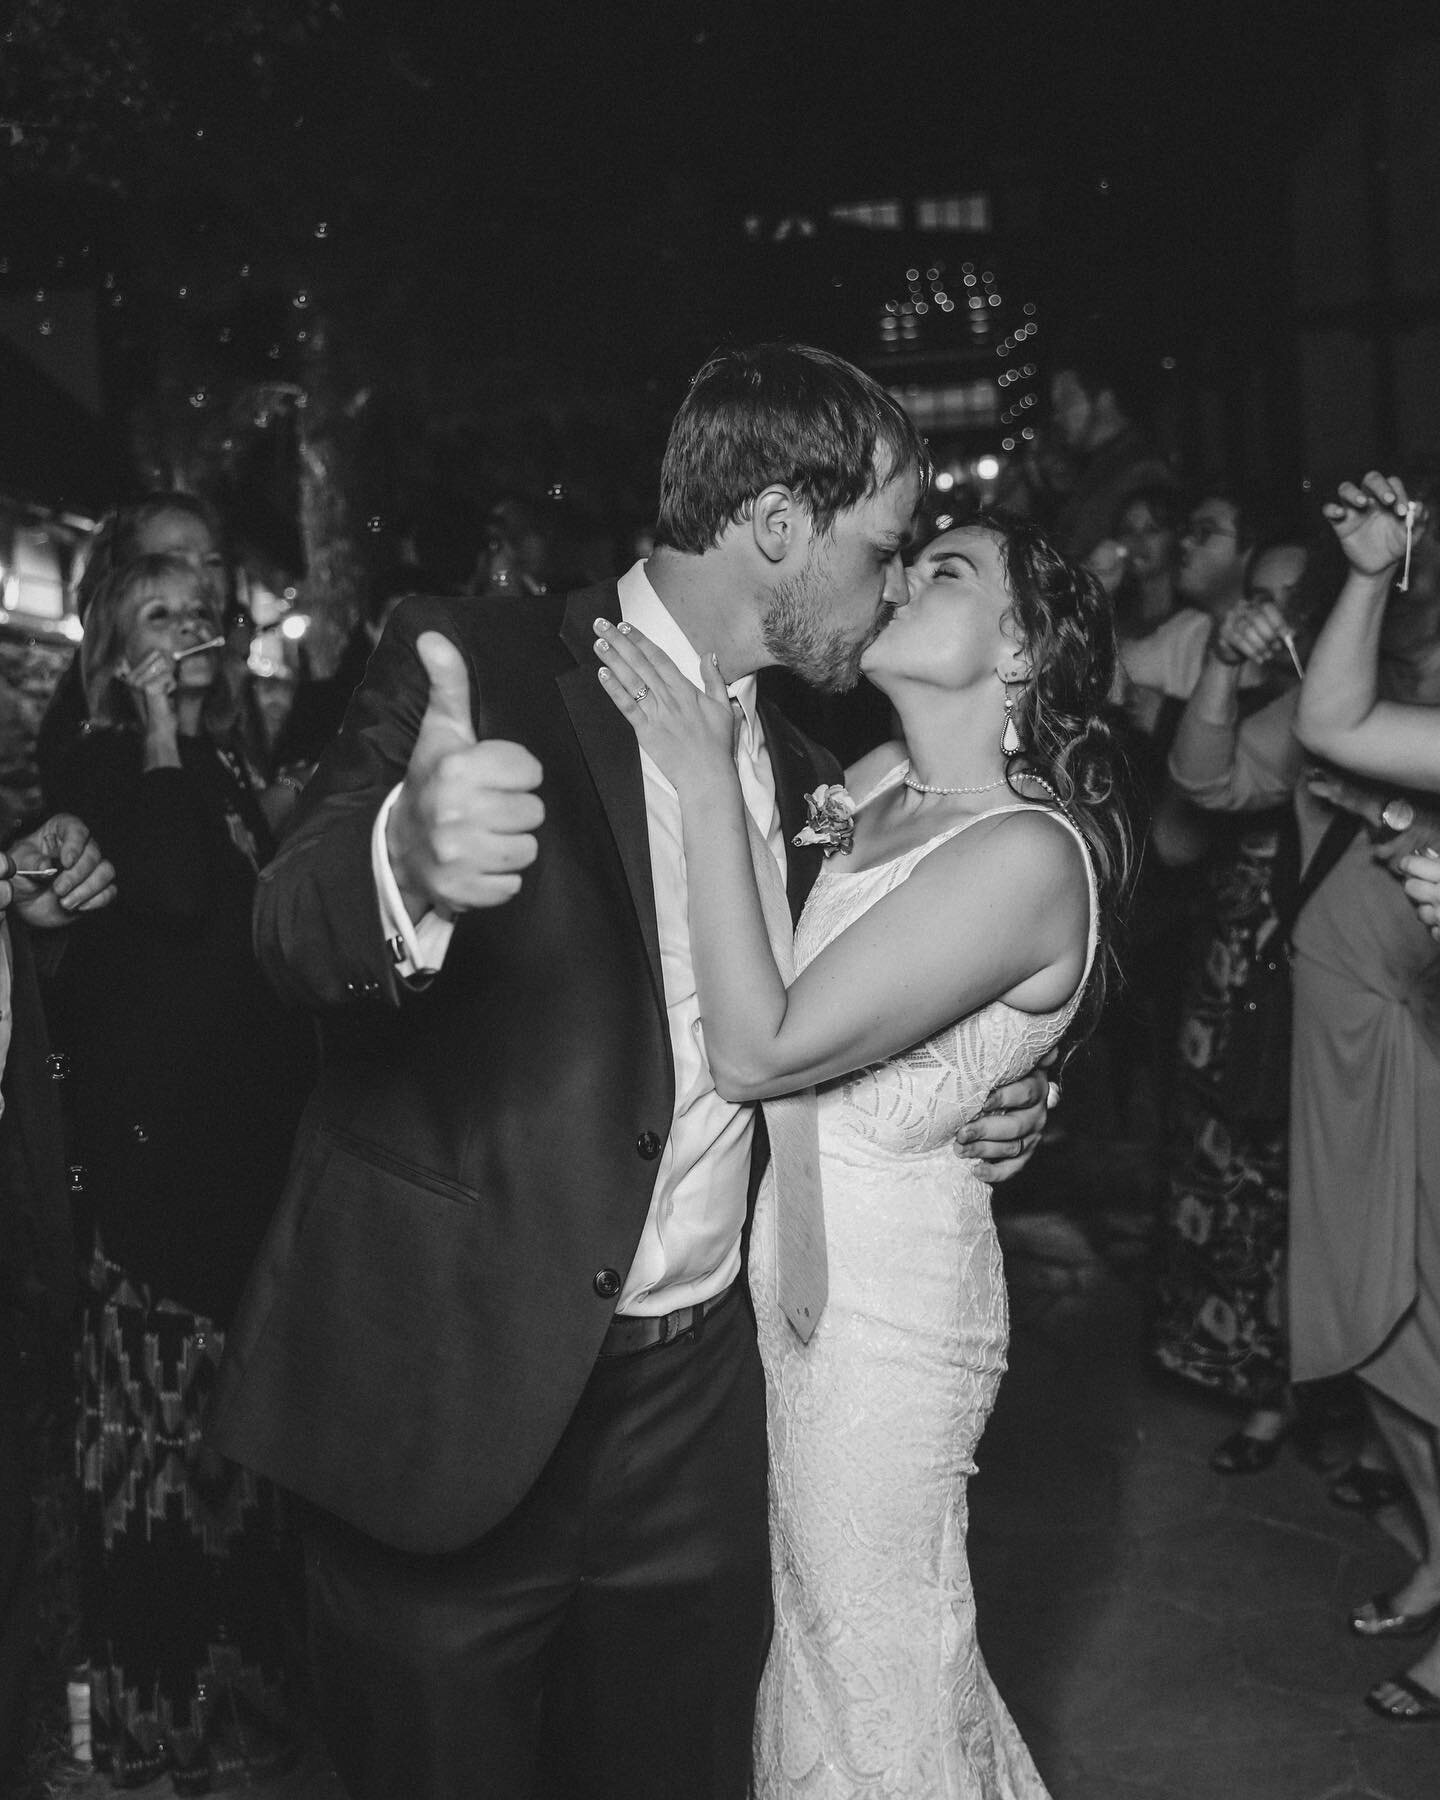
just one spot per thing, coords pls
(830, 821)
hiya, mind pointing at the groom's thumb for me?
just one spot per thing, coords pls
(447, 724)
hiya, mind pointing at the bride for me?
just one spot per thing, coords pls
(956, 940)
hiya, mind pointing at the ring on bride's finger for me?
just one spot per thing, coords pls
(640, 693)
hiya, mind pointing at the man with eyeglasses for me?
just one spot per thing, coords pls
(1223, 527)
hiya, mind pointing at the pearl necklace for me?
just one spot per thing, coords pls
(930, 787)
(984, 787)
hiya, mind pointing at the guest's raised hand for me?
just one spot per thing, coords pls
(153, 683)
(463, 826)
(1346, 794)
(690, 734)
(55, 873)
(1250, 632)
(1369, 519)
(1420, 872)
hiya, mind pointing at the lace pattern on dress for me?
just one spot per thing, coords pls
(876, 1688)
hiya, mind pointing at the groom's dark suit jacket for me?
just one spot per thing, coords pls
(472, 1176)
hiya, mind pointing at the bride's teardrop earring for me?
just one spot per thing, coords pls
(1009, 731)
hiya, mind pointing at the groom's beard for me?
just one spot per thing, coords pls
(797, 632)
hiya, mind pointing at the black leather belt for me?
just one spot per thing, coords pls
(628, 1333)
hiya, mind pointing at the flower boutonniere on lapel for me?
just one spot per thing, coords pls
(830, 821)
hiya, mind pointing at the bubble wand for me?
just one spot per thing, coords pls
(1403, 584)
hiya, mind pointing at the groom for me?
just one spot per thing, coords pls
(498, 1335)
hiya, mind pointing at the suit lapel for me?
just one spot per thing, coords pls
(613, 758)
(794, 778)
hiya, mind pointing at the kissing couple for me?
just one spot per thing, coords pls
(540, 1310)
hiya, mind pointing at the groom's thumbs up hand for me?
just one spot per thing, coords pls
(464, 824)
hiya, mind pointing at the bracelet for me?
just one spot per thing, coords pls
(289, 781)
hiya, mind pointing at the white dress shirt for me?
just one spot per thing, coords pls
(1170, 658)
(689, 1249)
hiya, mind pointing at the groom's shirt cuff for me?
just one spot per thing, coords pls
(417, 946)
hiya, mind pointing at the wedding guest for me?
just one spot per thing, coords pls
(1391, 1290)
(1220, 1317)
(494, 1336)
(1091, 413)
(536, 547)
(1364, 1251)
(1225, 523)
(167, 522)
(1147, 529)
(1161, 670)
(37, 1272)
(186, 1082)
(1133, 1045)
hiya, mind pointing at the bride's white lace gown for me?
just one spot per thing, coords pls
(875, 1686)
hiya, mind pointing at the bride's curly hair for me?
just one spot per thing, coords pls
(1067, 719)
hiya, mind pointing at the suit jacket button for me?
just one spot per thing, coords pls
(648, 1144)
(606, 1284)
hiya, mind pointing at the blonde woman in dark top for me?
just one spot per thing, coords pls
(187, 1080)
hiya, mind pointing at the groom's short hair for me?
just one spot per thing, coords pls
(784, 413)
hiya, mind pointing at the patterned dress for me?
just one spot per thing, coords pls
(185, 1081)
(875, 1688)
(182, 1554)
(1219, 1319)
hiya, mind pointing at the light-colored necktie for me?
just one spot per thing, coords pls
(793, 1125)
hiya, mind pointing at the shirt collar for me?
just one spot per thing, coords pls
(643, 608)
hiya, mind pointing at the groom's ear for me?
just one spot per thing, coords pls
(778, 523)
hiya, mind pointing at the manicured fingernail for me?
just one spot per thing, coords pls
(601, 646)
(623, 629)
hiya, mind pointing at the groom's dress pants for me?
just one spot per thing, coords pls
(605, 1640)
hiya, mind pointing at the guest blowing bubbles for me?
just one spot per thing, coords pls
(162, 523)
(187, 1081)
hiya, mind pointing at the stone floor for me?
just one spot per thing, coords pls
(1160, 1632)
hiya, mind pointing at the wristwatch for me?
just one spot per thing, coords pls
(1396, 816)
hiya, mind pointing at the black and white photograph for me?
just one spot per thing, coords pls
(719, 900)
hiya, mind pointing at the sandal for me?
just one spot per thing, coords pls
(1381, 1618)
(1361, 1489)
(1423, 1707)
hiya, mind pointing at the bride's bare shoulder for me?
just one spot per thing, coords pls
(870, 768)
